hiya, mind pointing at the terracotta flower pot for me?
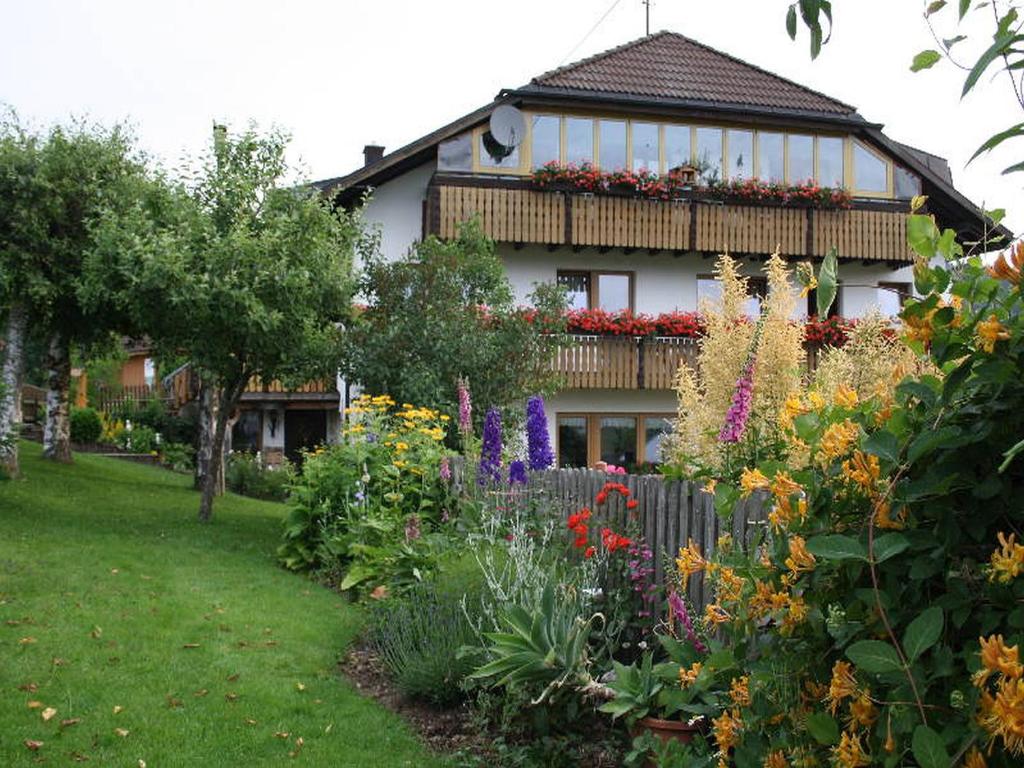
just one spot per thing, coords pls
(667, 730)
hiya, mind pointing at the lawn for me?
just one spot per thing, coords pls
(163, 642)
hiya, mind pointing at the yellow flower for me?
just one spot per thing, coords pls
(842, 686)
(783, 486)
(401, 447)
(690, 561)
(716, 614)
(1004, 715)
(783, 514)
(883, 518)
(687, 676)
(989, 332)
(762, 601)
(996, 656)
(845, 397)
(398, 463)
(796, 614)
(1009, 270)
(753, 480)
(724, 543)
(776, 759)
(837, 439)
(729, 584)
(799, 560)
(726, 728)
(863, 712)
(862, 470)
(710, 485)
(919, 328)
(1008, 561)
(974, 759)
(739, 691)
(445, 417)
(849, 753)
(816, 400)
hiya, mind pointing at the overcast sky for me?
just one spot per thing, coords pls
(340, 74)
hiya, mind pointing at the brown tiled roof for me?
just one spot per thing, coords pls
(667, 65)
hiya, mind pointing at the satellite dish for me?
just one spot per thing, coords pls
(506, 131)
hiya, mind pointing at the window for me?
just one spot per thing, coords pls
(618, 440)
(577, 288)
(546, 142)
(655, 430)
(907, 184)
(149, 371)
(579, 140)
(572, 441)
(623, 439)
(830, 161)
(801, 158)
(646, 155)
(709, 152)
(708, 288)
(494, 155)
(456, 154)
(610, 291)
(613, 144)
(677, 146)
(246, 433)
(869, 170)
(771, 156)
(741, 154)
(891, 297)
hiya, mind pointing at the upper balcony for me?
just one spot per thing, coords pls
(511, 211)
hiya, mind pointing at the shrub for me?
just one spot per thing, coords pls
(139, 440)
(86, 425)
(419, 638)
(248, 475)
(177, 457)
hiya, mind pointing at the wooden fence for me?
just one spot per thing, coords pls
(669, 514)
(114, 399)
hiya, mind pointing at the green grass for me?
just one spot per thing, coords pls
(107, 580)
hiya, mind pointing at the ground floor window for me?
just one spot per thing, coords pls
(628, 440)
(891, 297)
(247, 431)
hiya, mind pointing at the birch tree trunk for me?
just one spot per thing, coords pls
(207, 402)
(225, 406)
(10, 392)
(57, 429)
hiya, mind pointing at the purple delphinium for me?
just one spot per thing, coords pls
(538, 445)
(739, 410)
(490, 450)
(641, 572)
(678, 605)
(412, 528)
(517, 473)
(465, 407)
(445, 471)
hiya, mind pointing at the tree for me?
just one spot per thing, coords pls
(446, 312)
(243, 276)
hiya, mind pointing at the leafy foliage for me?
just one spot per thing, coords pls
(248, 475)
(86, 425)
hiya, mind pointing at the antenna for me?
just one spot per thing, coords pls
(647, 16)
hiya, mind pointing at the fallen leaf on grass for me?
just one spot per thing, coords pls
(270, 643)
(173, 703)
(13, 622)
(300, 687)
(122, 732)
(48, 713)
(250, 721)
(96, 632)
(26, 641)
(118, 709)
(70, 722)
(142, 763)
(114, 571)
(233, 678)
(329, 727)
(282, 735)
(232, 697)
(190, 645)
(57, 661)
(298, 747)
(35, 704)
(30, 687)
(32, 744)
(200, 693)
(78, 757)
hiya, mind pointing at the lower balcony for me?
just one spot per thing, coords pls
(631, 363)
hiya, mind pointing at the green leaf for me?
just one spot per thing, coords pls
(949, 42)
(929, 751)
(356, 574)
(823, 728)
(922, 234)
(996, 139)
(828, 282)
(923, 632)
(934, 7)
(874, 656)
(791, 22)
(837, 547)
(927, 442)
(889, 545)
(965, 6)
(1002, 44)
(884, 445)
(925, 60)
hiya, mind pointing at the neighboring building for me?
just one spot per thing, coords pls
(657, 103)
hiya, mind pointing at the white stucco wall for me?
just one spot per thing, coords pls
(664, 283)
(396, 208)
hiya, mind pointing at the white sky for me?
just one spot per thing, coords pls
(338, 75)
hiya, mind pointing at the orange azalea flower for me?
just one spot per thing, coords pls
(799, 560)
(729, 584)
(842, 686)
(883, 518)
(863, 712)
(776, 759)
(1009, 270)
(1004, 716)
(726, 728)
(753, 480)
(690, 561)
(838, 439)
(687, 676)
(845, 397)
(783, 486)
(975, 759)
(1007, 562)
(739, 691)
(996, 656)
(849, 753)
(989, 332)
(862, 469)
(716, 614)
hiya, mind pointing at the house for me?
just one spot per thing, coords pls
(663, 104)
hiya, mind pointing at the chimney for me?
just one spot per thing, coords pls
(372, 153)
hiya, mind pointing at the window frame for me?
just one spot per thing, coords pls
(594, 291)
(759, 280)
(593, 427)
(851, 144)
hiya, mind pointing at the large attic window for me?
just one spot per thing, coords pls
(906, 184)
(869, 170)
(612, 146)
(646, 154)
(771, 156)
(546, 144)
(830, 161)
(709, 152)
(741, 154)
(456, 154)
(677, 146)
(579, 140)
(801, 158)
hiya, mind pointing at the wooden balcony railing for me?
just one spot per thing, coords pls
(873, 231)
(626, 362)
(182, 386)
